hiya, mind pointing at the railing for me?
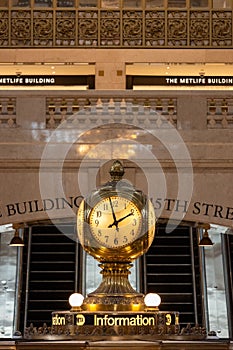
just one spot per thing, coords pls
(59, 110)
(150, 109)
(115, 28)
(7, 112)
(220, 113)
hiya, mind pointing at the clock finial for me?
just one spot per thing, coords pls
(116, 171)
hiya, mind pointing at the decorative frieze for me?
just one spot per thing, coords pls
(177, 28)
(4, 28)
(155, 28)
(65, 28)
(110, 28)
(199, 28)
(222, 28)
(21, 28)
(43, 28)
(87, 28)
(118, 27)
(132, 28)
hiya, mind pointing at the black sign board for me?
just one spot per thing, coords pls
(164, 80)
(48, 80)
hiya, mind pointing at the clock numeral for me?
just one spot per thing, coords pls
(105, 206)
(134, 222)
(97, 222)
(99, 233)
(125, 239)
(98, 214)
(115, 204)
(116, 241)
(132, 211)
(106, 239)
(132, 233)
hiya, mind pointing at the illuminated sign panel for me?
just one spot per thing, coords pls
(113, 320)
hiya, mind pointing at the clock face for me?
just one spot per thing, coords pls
(115, 221)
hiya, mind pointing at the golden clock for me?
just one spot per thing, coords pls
(115, 224)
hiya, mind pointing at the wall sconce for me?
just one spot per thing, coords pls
(205, 240)
(16, 240)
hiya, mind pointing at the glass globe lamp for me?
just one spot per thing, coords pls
(75, 301)
(152, 301)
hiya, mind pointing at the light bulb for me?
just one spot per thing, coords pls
(75, 301)
(152, 300)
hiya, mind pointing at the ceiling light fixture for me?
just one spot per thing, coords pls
(205, 240)
(16, 240)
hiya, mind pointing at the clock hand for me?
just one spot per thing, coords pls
(124, 217)
(119, 220)
(114, 216)
(113, 213)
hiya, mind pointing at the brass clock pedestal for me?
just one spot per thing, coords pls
(115, 292)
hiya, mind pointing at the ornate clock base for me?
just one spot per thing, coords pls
(89, 325)
(115, 292)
